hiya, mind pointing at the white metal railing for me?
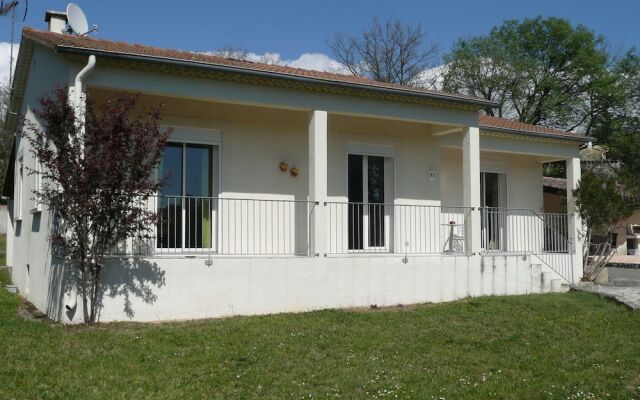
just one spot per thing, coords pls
(239, 226)
(395, 228)
(225, 226)
(545, 235)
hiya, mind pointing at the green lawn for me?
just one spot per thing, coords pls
(573, 346)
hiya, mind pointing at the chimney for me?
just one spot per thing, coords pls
(57, 21)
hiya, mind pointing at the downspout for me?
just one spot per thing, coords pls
(77, 102)
(77, 87)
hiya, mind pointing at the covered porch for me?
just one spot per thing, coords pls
(250, 180)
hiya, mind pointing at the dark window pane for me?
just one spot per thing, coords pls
(356, 209)
(198, 170)
(198, 185)
(169, 227)
(375, 186)
(375, 173)
(171, 170)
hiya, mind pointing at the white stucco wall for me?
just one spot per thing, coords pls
(524, 177)
(29, 255)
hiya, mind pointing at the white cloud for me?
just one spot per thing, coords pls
(318, 62)
(432, 78)
(312, 61)
(5, 49)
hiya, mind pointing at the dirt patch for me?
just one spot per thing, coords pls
(29, 312)
(377, 308)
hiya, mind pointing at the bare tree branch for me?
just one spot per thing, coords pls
(388, 51)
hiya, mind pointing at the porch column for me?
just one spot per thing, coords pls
(471, 187)
(575, 222)
(317, 181)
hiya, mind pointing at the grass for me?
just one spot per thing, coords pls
(573, 346)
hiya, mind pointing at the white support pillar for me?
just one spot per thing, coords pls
(318, 181)
(471, 187)
(575, 222)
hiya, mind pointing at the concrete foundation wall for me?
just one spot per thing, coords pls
(181, 288)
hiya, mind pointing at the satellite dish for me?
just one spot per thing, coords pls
(77, 20)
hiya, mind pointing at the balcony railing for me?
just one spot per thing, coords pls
(226, 226)
(522, 230)
(545, 236)
(238, 226)
(395, 228)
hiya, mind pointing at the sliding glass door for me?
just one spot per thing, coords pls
(368, 216)
(186, 204)
(493, 200)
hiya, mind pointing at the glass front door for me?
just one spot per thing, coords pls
(368, 216)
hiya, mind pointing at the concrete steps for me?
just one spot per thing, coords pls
(544, 281)
(504, 275)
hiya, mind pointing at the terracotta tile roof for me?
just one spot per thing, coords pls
(500, 124)
(61, 41)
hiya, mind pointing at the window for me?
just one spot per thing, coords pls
(19, 189)
(37, 185)
(186, 202)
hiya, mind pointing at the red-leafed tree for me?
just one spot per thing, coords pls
(96, 177)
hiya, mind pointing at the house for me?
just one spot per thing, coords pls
(626, 238)
(555, 195)
(296, 190)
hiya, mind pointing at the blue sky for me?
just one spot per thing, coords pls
(292, 28)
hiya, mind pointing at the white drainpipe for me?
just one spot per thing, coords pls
(77, 90)
(77, 102)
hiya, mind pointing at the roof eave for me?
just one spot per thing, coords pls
(478, 103)
(569, 138)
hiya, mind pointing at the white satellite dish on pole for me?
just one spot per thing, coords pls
(78, 21)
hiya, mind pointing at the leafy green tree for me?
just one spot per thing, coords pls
(618, 128)
(603, 205)
(96, 177)
(542, 71)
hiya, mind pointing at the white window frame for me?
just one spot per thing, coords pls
(19, 192)
(376, 150)
(503, 220)
(185, 135)
(37, 186)
(365, 212)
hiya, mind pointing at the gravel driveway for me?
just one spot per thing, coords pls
(623, 285)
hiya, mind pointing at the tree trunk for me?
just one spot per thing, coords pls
(83, 289)
(599, 259)
(95, 285)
